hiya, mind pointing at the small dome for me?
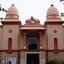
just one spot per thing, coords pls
(53, 13)
(12, 11)
(52, 10)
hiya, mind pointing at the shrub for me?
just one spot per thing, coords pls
(50, 62)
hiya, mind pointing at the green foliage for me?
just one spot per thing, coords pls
(61, 61)
(3, 10)
(53, 62)
(62, 14)
(61, 0)
(50, 62)
(1, 18)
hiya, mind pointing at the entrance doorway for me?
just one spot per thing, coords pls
(32, 59)
(32, 43)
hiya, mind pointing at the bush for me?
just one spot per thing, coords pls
(50, 62)
(61, 62)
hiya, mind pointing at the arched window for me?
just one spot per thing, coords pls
(55, 44)
(10, 44)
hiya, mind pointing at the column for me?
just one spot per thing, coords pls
(25, 34)
(40, 42)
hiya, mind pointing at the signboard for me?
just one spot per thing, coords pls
(3, 61)
(10, 60)
(22, 61)
(43, 61)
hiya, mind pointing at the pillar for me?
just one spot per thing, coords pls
(40, 42)
(25, 40)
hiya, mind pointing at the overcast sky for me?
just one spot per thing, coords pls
(28, 8)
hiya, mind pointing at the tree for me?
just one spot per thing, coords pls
(62, 14)
(3, 10)
(61, 0)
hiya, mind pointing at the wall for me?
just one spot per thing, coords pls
(58, 56)
(5, 55)
(52, 35)
(1, 38)
(44, 40)
(13, 35)
(21, 43)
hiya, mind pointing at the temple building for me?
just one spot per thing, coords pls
(31, 43)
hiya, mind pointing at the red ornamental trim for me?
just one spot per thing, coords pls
(53, 23)
(53, 15)
(11, 18)
(1, 26)
(12, 14)
(4, 50)
(11, 23)
(54, 18)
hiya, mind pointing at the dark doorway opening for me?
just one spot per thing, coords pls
(32, 42)
(9, 62)
(32, 58)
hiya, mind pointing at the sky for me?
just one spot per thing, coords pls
(28, 8)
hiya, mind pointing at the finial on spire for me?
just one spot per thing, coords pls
(31, 17)
(52, 5)
(12, 4)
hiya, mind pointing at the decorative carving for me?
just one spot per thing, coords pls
(10, 31)
(55, 31)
